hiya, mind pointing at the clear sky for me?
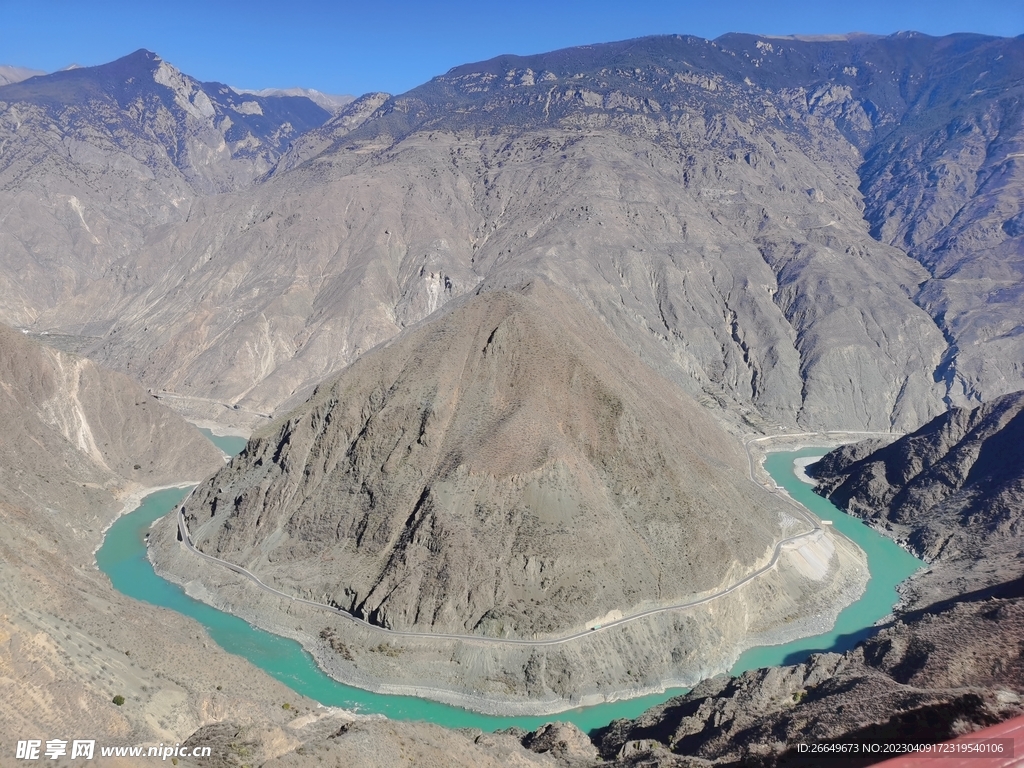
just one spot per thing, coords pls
(344, 47)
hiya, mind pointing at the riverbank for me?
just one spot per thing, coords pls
(387, 660)
(759, 446)
(800, 467)
(78, 641)
(219, 429)
(461, 664)
(129, 500)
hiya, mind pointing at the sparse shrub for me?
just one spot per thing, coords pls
(388, 650)
(119, 699)
(242, 750)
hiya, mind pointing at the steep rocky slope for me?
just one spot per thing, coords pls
(931, 676)
(142, 108)
(926, 679)
(945, 185)
(368, 743)
(506, 469)
(722, 240)
(76, 442)
(329, 135)
(75, 434)
(380, 246)
(953, 491)
(951, 663)
(717, 204)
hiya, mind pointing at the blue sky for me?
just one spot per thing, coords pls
(342, 47)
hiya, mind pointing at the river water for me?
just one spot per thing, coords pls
(123, 558)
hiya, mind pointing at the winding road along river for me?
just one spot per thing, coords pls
(123, 558)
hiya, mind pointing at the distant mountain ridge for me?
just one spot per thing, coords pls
(9, 74)
(331, 102)
(96, 159)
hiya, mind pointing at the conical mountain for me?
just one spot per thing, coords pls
(508, 468)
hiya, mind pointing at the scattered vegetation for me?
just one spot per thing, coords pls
(119, 699)
(336, 644)
(240, 749)
(388, 650)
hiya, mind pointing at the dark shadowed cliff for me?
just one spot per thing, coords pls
(953, 491)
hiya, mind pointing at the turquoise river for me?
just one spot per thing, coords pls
(123, 558)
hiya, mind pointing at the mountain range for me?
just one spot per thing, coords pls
(797, 232)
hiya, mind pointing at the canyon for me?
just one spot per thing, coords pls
(497, 340)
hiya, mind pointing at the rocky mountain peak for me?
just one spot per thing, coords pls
(756, 216)
(144, 106)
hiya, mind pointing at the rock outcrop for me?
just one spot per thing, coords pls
(363, 742)
(953, 492)
(949, 664)
(925, 679)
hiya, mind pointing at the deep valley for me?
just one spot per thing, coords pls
(508, 349)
